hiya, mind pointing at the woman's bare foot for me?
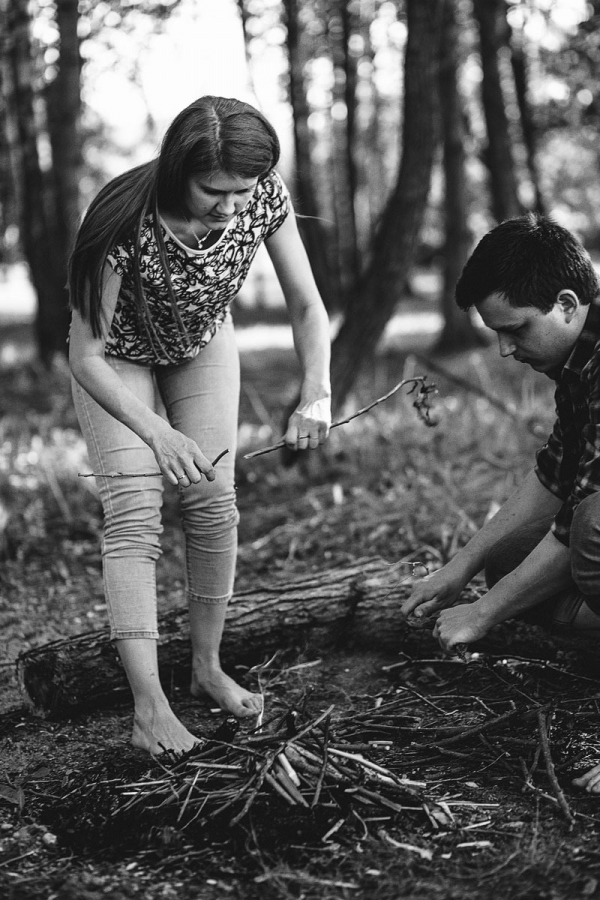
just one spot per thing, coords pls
(590, 780)
(156, 728)
(227, 693)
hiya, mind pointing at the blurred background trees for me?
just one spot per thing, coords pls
(414, 126)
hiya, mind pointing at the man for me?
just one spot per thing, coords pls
(535, 286)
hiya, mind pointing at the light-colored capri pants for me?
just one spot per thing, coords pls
(201, 397)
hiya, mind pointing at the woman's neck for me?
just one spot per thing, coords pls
(189, 231)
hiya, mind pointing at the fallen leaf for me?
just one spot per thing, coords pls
(13, 794)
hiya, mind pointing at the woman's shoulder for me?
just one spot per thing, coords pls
(271, 187)
(272, 196)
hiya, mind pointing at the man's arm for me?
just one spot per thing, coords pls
(545, 572)
(529, 502)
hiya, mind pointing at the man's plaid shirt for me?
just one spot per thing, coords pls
(568, 465)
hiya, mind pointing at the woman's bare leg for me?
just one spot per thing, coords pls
(156, 728)
(208, 678)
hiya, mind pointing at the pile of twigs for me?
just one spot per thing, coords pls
(303, 767)
(516, 714)
(419, 757)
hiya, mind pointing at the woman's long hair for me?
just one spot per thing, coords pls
(212, 135)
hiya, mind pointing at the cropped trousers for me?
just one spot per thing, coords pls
(201, 399)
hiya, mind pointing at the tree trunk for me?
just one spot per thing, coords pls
(396, 239)
(63, 103)
(519, 62)
(344, 169)
(309, 224)
(498, 156)
(39, 238)
(8, 200)
(371, 161)
(356, 605)
(458, 331)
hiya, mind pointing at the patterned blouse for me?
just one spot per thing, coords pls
(204, 281)
(568, 465)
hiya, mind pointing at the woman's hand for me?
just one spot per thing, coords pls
(309, 425)
(179, 458)
(433, 593)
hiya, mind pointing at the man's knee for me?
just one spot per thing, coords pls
(510, 550)
(585, 545)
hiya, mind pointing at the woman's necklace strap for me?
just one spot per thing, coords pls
(201, 241)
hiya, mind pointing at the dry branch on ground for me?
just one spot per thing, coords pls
(355, 605)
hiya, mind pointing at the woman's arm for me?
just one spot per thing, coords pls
(175, 453)
(310, 422)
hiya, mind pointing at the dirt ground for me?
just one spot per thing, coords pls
(489, 817)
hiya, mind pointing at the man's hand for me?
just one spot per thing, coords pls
(461, 624)
(590, 781)
(433, 593)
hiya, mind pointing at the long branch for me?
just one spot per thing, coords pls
(419, 379)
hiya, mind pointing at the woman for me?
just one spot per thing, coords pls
(160, 254)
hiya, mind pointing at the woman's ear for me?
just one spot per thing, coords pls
(568, 302)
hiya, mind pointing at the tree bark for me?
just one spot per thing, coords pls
(356, 605)
(458, 331)
(396, 239)
(520, 68)
(42, 250)
(8, 200)
(343, 130)
(310, 227)
(498, 155)
(63, 98)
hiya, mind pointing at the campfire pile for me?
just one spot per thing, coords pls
(303, 767)
(300, 779)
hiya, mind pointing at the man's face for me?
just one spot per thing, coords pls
(542, 340)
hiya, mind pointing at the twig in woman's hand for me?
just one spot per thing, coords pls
(137, 474)
(421, 404)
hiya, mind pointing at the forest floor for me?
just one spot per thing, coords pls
(488, 815)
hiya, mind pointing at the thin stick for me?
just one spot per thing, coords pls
(545, 745)
(483, 726)
(137, 474)
(324, 767)
(419, 379)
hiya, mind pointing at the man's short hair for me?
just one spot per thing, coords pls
(528, 259)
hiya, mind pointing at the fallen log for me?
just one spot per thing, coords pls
(352, 606)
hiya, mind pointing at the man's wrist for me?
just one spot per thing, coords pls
(461, 568)
(492, 611)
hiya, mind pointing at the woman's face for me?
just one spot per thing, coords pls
(215, 199)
